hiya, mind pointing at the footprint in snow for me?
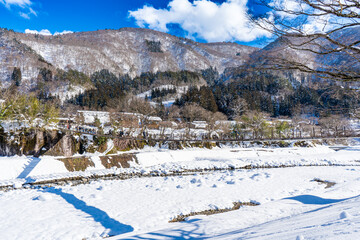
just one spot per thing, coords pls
(231, 182)
(95, 196)
(255, 177)
(267, 175)
(194, 180)
(101, 188)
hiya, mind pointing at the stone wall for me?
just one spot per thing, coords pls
(30, 142)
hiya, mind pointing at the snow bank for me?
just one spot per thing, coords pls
(164, 160)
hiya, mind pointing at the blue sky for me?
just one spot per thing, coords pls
(179, 17)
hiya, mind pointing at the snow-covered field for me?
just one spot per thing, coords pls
(292, 205)
(179, 91)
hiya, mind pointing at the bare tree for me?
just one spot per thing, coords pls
(193, 112)
(138, 105)
(334, 125)
(212, 119)
(256, 122)
(174, 113)
(237, 107)
(320, 29)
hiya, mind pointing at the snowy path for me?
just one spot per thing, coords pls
(110, 146)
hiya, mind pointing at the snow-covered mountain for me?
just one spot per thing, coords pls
(134, 51)
(126, 51)
(13, 53)
(293, 53)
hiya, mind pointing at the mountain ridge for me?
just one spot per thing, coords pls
(123, 51)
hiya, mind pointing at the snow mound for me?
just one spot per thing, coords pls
(44, 197)
(344, 215)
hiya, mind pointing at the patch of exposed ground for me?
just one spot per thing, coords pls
(327, 183)
(77, 163)
(237, 205)
(119, 161)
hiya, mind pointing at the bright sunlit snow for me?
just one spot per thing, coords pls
(292, 204)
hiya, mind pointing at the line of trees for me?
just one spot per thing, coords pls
(241, 93)
(28, 109)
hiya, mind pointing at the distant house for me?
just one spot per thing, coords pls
(199, 124)
(64, 122)
(127, 119)
(90, 116)
(226, 123)
(151, 119)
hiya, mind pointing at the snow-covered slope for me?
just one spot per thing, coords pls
(167, 100)
(153, 159)
(120, 51)
(13, 53)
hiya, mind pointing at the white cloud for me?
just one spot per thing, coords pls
(46, 32)
(203, 19)
(24, 15)
(288, 5)
(20, 3)
(299, 16)
(42, 32)
(25, 5)
(63, 32)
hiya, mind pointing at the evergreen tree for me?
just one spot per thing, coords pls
(45, 75)
(16, 76)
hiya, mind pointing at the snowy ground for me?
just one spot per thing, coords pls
(180, 90)
(23, 168)
(292, 206)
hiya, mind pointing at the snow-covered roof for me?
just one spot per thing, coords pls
(199, 124)
(132, 114)
(92, 112)
(155, 119)
(304, 122)
(65, 119)
(225, 122)
(284, 120)
(90, 116)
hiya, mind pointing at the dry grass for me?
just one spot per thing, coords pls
(119, 161)
(237, 205)
(327, 183)
(77, 164)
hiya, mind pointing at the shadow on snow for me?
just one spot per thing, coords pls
(114, 227)
(175, 234)
(27, 170)
(190, 230)
(311, 199)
